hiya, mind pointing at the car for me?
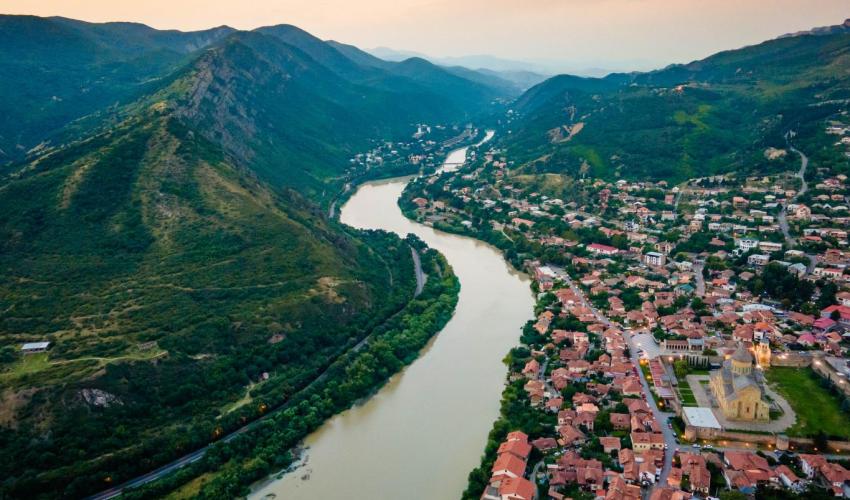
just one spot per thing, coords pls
(696, 446)
(708, 447)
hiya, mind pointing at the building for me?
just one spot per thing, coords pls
(746, 244)
(737, 390)
(758, 259)
(600, 249)
(763, 353)
(654, 259)
(770, 246)
(34, 347)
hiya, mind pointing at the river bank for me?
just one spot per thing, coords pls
(422, 433)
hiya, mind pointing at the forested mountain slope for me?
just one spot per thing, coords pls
(710, 116)
(60, 70)
(168, 281)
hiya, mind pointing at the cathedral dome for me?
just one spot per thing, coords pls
(742, 360)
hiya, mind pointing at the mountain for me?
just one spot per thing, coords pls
(389, 54)
(710, 116)
(106, 66)
(166, 235)
(521, 79)
(516, 76)
(60, 70)
(459, 95)
(167, 278)
(823, 30)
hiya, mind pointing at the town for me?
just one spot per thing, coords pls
(688, 340)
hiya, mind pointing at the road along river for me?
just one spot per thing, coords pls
(422, 433)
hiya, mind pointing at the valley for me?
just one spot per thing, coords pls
(256, 263)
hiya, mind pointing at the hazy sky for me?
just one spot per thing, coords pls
(604, 33)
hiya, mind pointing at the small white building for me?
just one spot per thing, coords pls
(34, 347)
(654, 259)
(746, 244)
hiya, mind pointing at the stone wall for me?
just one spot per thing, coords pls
(791, 359)
(735, 439)
(826, 370)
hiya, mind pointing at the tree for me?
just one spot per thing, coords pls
(680, 366)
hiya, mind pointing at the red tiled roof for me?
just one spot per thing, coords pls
(517, 488)
(517, 448)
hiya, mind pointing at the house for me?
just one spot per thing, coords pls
(757, 259)
(618, 489)
(34, 347)
(789, 479)
(508, 465)
(746, 244)
(531, 369)
(620, 421)
(511, 488)
(644, 441)
(600, 249)
(571, 436)
(694, 466)
(610, 443)
(769, 246)
(654, 259)
(517, 447)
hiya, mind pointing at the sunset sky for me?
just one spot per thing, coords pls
(620, 34)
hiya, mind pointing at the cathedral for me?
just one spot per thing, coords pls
(737, 390)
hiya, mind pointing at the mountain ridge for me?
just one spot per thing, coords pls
(713, 115)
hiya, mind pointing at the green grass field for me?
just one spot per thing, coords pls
(686, 395)
(29, 363)
(817, 410)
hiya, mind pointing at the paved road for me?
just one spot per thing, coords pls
(660, 417)
(420, 276)
(700, 279)
(804, 186)
(533, 476)
(546, 382)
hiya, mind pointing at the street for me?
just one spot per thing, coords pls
(660, 417)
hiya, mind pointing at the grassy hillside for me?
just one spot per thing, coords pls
(710, 116)
(169, 281)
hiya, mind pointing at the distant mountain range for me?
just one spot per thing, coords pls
(538, 68)
(710, 116)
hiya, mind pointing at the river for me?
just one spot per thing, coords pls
(425, 430)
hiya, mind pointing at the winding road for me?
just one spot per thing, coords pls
(804, 186)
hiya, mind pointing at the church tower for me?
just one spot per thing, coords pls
(763, 354)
